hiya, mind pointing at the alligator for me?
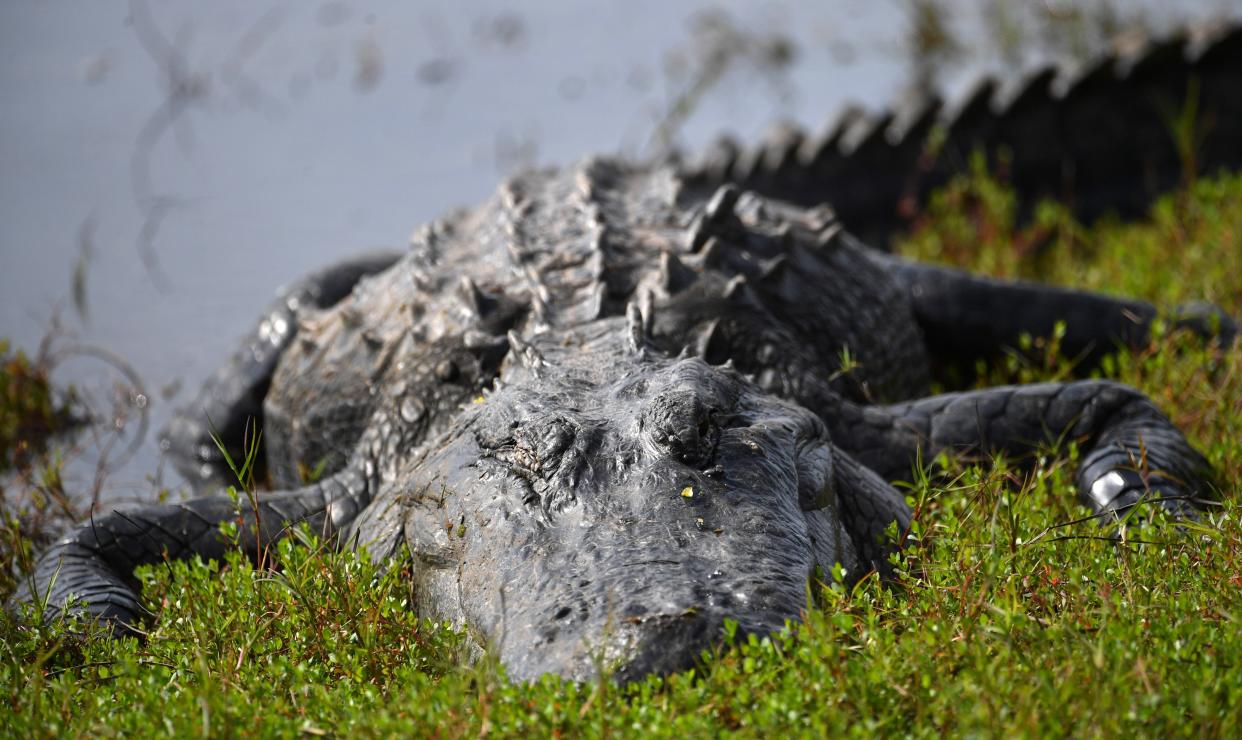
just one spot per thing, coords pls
(1103, 137)
(619, 404)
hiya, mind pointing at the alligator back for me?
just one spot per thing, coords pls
(725, 273)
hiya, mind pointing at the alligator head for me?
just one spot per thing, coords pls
(608, 507)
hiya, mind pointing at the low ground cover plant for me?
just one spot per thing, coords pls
(1011, 613)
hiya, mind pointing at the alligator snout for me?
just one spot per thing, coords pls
(638, 617)
(667, 642)
(691, 612)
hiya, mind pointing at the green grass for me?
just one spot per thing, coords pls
(1005, 620)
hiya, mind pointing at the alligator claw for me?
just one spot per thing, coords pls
(1207, 320)
(1124, 494)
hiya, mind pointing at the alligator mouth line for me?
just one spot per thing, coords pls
(637, 563)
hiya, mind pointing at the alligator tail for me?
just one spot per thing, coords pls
(1103, 138)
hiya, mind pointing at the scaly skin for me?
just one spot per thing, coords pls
(89, 571)
(602, 412)
(234, 396)
(1099, 138)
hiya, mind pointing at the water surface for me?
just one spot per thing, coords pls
(201, 154)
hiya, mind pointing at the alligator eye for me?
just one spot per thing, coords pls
(525, 458)
(539, 445)
(682, 427)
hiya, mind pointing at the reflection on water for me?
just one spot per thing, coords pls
(167, 166)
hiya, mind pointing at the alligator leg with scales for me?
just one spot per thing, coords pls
(869, 506)
(965, 317)
(92, 566)
(1130, 450)
(233, 397)
(1133, 449)
(89, 572)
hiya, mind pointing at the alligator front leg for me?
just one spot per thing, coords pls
(965, 317)
(1130, 450)
(233, 396)
(89, 572)
(870, 510)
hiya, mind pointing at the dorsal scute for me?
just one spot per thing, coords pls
(635, 326)
(473, 299)
(525, 353)
(607, 239)
(582, 242)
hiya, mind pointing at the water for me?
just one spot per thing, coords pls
(282, 136)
